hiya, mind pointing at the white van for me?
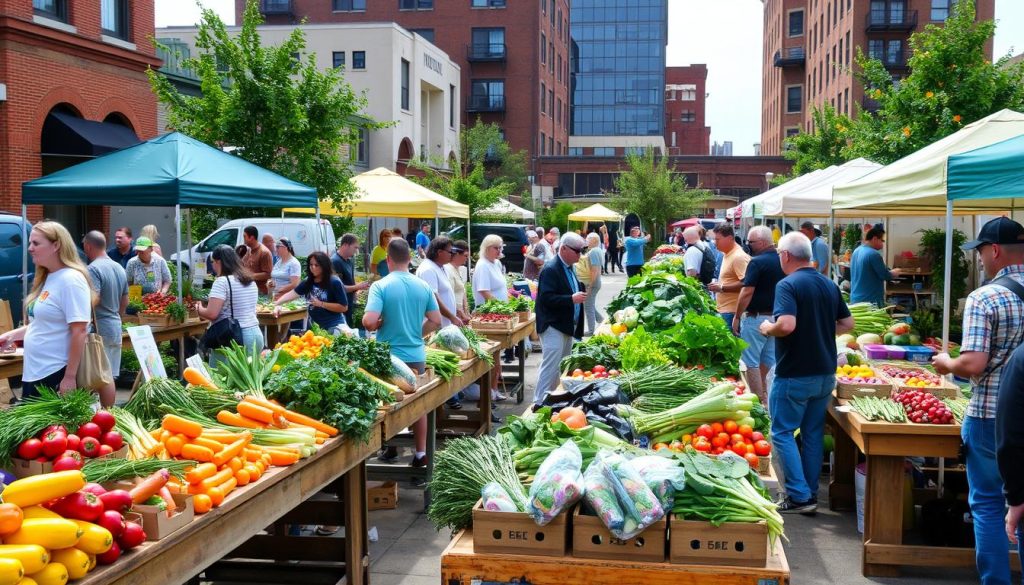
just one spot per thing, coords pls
(303, 232)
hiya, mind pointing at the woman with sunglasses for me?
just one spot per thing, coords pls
(489, 283)
(460, 254)
(324, 293)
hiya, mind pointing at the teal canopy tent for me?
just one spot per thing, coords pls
(995, 171)
(172, 170)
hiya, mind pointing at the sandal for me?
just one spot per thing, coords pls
(326, 530)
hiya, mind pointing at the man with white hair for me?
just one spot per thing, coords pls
(809, 313)
(560, 296)
(754, 306)
(694, 251)
(536, 255)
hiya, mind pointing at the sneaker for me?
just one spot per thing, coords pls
(388, 454)
(453, 403)
(495, 418)
(789, 506)
(499, 396)
(419, 461)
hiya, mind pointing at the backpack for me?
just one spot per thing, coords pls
(707, 265)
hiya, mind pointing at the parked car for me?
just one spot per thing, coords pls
(514, 236)
(12, 248)
(305, 234)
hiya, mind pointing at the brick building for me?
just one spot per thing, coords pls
(685, 129)
(76, 87)
(809, 51)
(514, 60)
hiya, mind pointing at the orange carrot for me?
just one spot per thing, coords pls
(283, 458)
(216, 479)
(236, 420)
(235, 464)
(255, 412)
(168, 500)
(209, 444)
(228, 486)
(149, 487)
(271, 406)
(320, 440)
(321, 435)
(201, 472)
(252, 454)
(216, 496)
(253, 471)
(230, 451)
(242, 477)
(176, 424)
(174, 445)
(164, 435)
(224, 438)
(310, 422)
(197, 452)
(155, 433)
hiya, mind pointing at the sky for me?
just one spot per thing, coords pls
(723, 34)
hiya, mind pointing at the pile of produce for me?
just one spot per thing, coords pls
(874, 408)
(720, 403)
(520, 303)
(658, 285)
(309, 345)
(721, 437)
(597, 372)
(160, 304)
(494, 311)
(867, 318)
(67, 451)
(266, 306)
(534, 436)
(861, 374)
(599, 350)
(444, 363)
(925, 408)
(48, 411)
(913, 377)
(958, 406)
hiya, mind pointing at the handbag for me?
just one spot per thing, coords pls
(94, 367)
(223, 332)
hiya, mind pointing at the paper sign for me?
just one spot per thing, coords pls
(198, 270)
(150, 362)
(197, 362)
(135, 292)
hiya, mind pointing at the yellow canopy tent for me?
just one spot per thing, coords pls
(385, 193)
(595, 212)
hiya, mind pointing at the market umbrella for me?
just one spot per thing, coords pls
(595, 212)
(685, 223)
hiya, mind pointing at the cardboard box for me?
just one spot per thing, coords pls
(24, 468)
(592, 540)
(849, 390)
(515, 533)
(732, 543)
(156, 523)
(381, 495)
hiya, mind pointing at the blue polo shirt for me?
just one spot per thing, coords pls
(422, 241)
(868, 274)
(634, 250)
(402, 301)
(815, 301)
(822, 255)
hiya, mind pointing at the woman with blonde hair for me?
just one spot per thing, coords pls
(57, 309)
(379, 255)
(149, 231)
(489, 283)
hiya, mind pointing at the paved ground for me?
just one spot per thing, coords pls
(825, 549)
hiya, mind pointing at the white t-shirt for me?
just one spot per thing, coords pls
(283, 272)
(436, 277)
(693, 257)
(64, 299)
(244, 297)
(487, 276)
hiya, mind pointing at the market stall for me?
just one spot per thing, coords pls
(516, 338)
(505, 209)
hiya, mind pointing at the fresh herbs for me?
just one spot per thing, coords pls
(521, 304)
(600, 350)
(663, 378)
(640, 349)
(35, 414)
(495, 307)
(157, 397)
(476, 342)
(369, 354)
(177, 312)
(243, 370)
(107, 469)
(445, 363)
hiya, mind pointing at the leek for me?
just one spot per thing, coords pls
(719, 403)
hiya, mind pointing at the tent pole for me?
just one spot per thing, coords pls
(24, 257)
(188, 237)
(437, 225)
(319, 229)
(469, 253)
(832, 268)
(177, 242)
(947, 275)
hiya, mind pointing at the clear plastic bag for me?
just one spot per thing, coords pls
(452, 339)
(601, 498)
(557, 485)
(640, 506)
(664, 477)
(496, 499)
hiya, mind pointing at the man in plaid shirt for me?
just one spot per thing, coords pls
(993, 328)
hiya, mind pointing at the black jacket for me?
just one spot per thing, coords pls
(554, 300)
(1009, 430)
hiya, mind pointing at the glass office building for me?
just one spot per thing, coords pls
(618, 67)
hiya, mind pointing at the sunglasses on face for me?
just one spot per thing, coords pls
(457, 251)
(577, 250)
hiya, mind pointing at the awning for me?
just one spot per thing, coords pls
(64, 134)
(595, 212)
(685, 223)
(385, 193)
(505, 208)
(994, 173)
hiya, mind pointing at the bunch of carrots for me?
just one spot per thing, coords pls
(257, 413)
(307, 346)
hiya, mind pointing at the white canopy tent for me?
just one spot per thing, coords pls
(505, 208)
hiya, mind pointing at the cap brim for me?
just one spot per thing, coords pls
(973, 244)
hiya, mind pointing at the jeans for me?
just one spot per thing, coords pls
(556, 346)
(800, 403)
(760, 350)
(590, 307)
(31, 389)
(727, 317)
(988, 507)
(252, 338)
(632, 271)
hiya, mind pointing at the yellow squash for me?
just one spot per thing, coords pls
(32, 556)
(38, 489)
(46, 532)
(95, 539)
(52, 574)
(74, 560)
(40, 512)
(11, 571)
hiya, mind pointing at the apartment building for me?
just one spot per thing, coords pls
(686, 132)
(810, 47)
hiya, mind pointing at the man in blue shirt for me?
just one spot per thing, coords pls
(402, 310)
(635, 251)
(868, 271)
(423, 240)
(819, 247)
(809, 313)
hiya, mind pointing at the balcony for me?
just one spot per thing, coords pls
(486, 103)
(893, 61)
(790, 57)
(276, 7)
(486, 52)
(883, 21)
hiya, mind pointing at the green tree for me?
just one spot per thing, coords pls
(557, 216)
(283, 114)
(824, 146)
(656, 193)
(952, 83)
(469, 187)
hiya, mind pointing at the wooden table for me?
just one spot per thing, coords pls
(274, 324)
(461, 565)
(515, 338)
(885, 446)
(11, 367)
(247, 511)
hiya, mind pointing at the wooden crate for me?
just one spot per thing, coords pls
(515, 533)
(154, 320)
(947, 390)
(592, 540)
(848, 390)
(732, 543)
(425, 378)
(496, 326)
(523, 316)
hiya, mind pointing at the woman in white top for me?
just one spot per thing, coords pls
(460, 254)
(233, 294)
(57, 310)
(287, 270)
(488, 277)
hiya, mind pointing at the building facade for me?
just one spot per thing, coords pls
(618, 73)
(685, 94)
(405, 78)
(514, 61)
(810, 47)
(73, 74)
(723, 149)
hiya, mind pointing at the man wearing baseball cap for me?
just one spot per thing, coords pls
(993, 328)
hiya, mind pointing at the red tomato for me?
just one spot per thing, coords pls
(750, 448)
(705, 431)
(752, 460)
(599, 368)
(702, 444)
(660, 446)
(718, 441)
(717, 427)
(730, 426)
(746, 430)
(736, 438)
(762, 448)
(756, 436)
(717, 451)
(739, 449)
(613, 373)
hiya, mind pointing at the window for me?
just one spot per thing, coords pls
(338, 59)
(427, 33)
(941, 9)
(559, 23)
(543, 48)
(55, 9)
(415, 4)
(10, 236)
(688, 94)
(575, 151)
(558, 109)
(362, 148)
(543, 144)
(894, 55)
(543, 96)
(488, 43)
(349, 5)
(551, 14)
(487, 3)
(405, 84)
(559, 68)
(848, 48)
(688, 116)
(359, 59)
(114, 18)
(796, 23)
(543, 6)
(896, 9)
(551, 57)
(551, 145)
(792, 131)
(794, 99)
(876, 48)
(228, 236)
(487, 95)
(604, 151)
(451, 106)
(846, 98)
(551, 101)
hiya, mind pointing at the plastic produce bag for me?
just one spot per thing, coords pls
(662, 475)
(557, 485)
(639, 504)
(496, 499)
(452, 339)
(402, 376)
(600, 496)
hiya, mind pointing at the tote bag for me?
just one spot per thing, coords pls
(94, 367)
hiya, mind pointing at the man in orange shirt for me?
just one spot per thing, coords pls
(259, 260)
(730, 279)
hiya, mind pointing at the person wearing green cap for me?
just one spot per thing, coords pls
(148, 269)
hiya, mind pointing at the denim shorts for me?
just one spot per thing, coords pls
(760, 349)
